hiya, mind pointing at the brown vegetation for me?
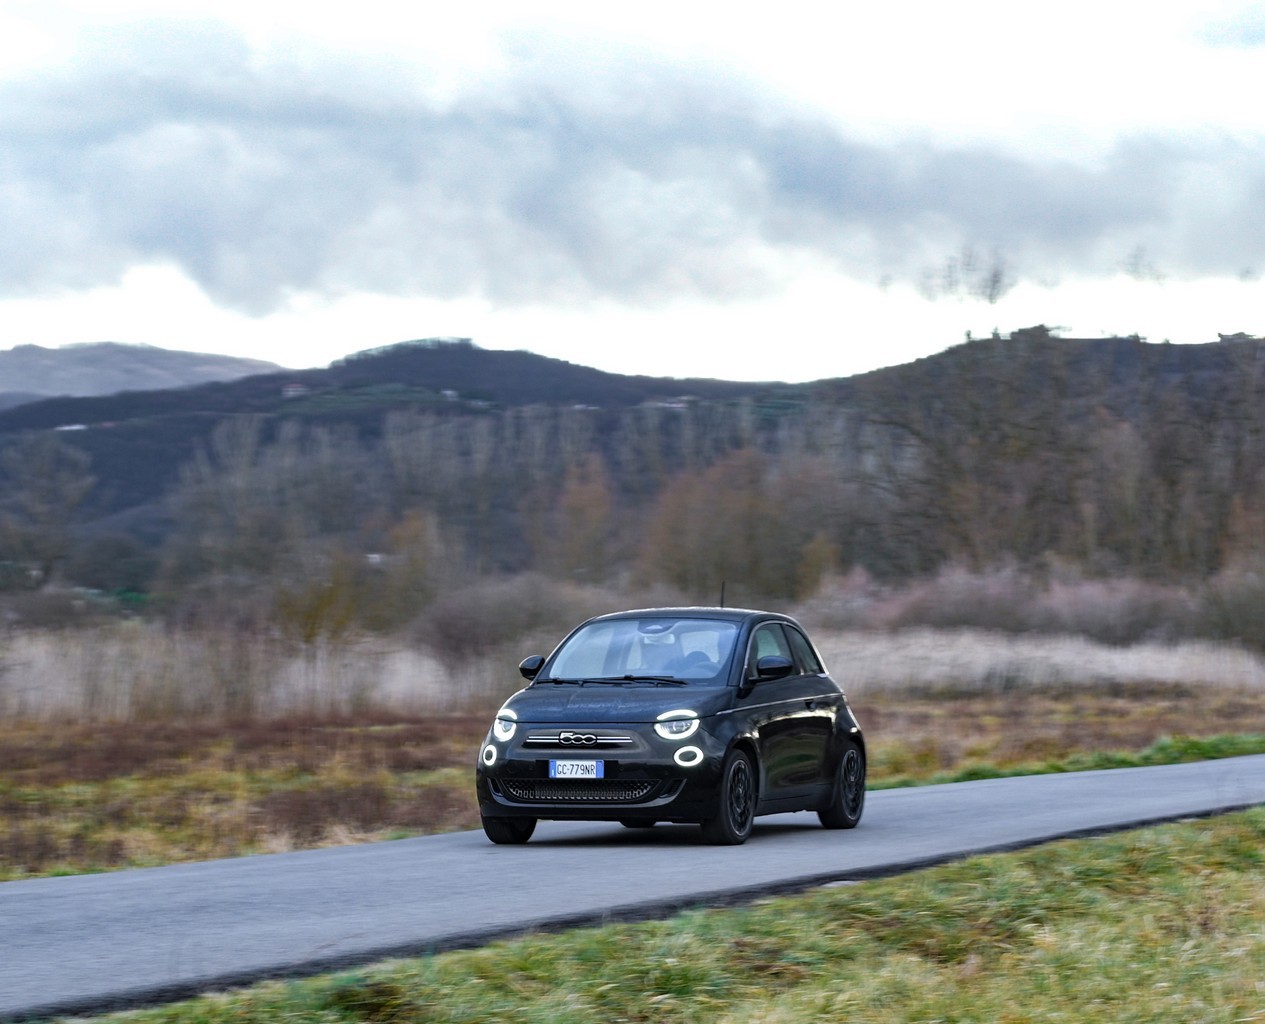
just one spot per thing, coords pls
(76, 798)
(918, 736)
(134, 742)
(98, 796)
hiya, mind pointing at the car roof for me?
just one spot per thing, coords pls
(696, 612)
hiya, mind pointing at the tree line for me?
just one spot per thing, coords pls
(1118, 458)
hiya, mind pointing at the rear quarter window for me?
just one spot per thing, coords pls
(807, 658)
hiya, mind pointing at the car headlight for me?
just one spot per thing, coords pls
(677, 725)
(505, 724)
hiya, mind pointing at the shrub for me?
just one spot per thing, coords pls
(1232, 607)
(112, 563)
(1117, 612)
(469, 623)
(956, 599)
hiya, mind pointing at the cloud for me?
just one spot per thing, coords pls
(1245, 27)
(631, 179)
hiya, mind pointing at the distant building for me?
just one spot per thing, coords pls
(294, 390)
(1238, 336)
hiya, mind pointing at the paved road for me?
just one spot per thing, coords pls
(94, 942)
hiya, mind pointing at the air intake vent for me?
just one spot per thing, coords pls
(559, 791)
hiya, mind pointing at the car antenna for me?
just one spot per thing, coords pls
(722, 593)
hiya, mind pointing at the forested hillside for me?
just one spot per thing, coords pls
(422, 463)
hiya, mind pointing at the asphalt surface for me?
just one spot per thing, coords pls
(95, 942)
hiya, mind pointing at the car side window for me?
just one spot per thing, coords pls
(809, 663)
(767, 639)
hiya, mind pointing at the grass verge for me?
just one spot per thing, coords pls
(1163, 923)
(1166, 750)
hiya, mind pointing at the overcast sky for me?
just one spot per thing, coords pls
(676, 189)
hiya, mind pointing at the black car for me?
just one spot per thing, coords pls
(703, 715)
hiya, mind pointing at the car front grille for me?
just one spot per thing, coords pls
(598, 791)
(577, 739)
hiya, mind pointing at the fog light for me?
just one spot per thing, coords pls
(489, 755)
(688, 757)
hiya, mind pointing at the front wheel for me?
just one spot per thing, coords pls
(847, 798)
(509, 830)
(735, 805)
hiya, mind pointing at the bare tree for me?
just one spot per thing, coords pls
(46, 481)
(577, 536)
(251, 508)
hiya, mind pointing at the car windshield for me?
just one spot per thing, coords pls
(654, 648)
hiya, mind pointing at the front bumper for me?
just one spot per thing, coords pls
(644, 776)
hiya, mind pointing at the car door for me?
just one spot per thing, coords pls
(823, 700)
(791, 727)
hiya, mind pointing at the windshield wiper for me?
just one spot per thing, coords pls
(613, 681)
(609, 681)
(630, 678)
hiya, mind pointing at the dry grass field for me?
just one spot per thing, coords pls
(91, 797)
(940, 700)
(135, 746)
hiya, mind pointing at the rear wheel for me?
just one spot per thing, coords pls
(736, 804)
(847, 799)
(509, 830)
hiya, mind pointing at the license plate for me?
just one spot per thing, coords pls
(577, 769)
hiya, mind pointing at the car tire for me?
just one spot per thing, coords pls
(847, 798)
(509, 831)
(735, 804)
(636, 823)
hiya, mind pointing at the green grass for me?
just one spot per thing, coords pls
(1166, 750)
(1161, 924)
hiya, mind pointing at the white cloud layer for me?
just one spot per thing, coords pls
(585, 187)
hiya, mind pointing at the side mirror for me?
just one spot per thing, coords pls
(530, 667)
(774, 666)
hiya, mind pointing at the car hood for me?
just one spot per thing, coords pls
(630, 702)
